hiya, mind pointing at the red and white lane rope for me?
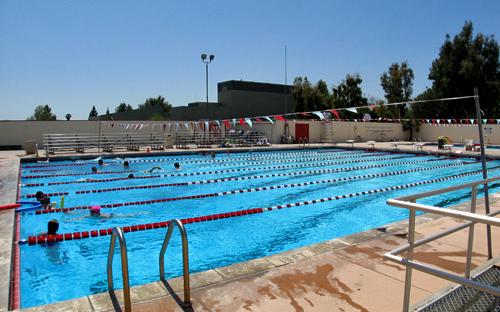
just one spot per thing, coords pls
(251, 190)
(227, 164)
(309, 172)
(73, 174)
(221, 154)
(239, 158)
(44, 239)
(185, 174)
(221, 160)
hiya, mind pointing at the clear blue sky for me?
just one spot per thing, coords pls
(75, 54)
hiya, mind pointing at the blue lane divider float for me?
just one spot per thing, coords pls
(31, 205)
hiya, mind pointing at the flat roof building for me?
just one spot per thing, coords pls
(235, 99)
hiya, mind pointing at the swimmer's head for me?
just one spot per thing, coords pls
(177, 165)
(94, 170)
(125, 164)
(39, 195)
(52, 227)
(95, 210)
(131, 176)
(100, 162)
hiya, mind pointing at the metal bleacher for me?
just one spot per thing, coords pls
(111, 142)
(228, 139)
(108, 142)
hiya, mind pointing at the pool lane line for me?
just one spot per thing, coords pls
(280, 167)
(211, 181)
(232, 155)
(231, 164)
(251, 190)
(44, 239)
(195, 159)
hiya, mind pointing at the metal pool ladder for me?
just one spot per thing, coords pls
(118, 233)
(185, 258)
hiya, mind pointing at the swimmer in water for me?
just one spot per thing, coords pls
(94, 170)
(100, 162)
(125, 164)
(131, 176)
(95, 212)
(177, 166)
(153, 169)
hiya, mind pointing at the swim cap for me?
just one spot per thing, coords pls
(95, 209)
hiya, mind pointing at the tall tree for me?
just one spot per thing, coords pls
(397, 83)
(464, 62)
(123, 107)
(68, 116)
(348, 93)
(93, 112)
(42, 112)
(308, 97)
(157, 101)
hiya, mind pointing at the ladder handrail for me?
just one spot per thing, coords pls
(185, 258)
(118, 233)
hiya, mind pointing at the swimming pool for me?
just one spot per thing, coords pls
(289, 199)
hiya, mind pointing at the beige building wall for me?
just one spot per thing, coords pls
(366, 131)
(459, 134)
(15, 133)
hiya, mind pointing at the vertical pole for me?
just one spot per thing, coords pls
(99, 139)
(485, 173)
(470, 239)
(206, 76)
(206, 105)
(286, 82)
(409, 270)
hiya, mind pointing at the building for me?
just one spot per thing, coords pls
(235, 99)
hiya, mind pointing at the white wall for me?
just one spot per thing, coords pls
(460, 133)
(14, 133)
(367, 131)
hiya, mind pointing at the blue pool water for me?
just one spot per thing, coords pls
(74, 269)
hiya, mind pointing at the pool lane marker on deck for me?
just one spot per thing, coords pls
(250, 190)
(223, 171)
(43, 239)
(222, 154)
(220, 165)
(312, 172)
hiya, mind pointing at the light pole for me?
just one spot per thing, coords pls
(207, 60)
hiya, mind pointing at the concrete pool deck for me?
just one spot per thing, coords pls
(345, 274)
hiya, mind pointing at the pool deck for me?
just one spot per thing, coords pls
(344, 274)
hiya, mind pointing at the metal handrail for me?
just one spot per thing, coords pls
(118, 233)
(185, 258)
(409, 202)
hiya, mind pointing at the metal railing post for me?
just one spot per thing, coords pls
(470, 239)
(409, 270)
(185, 258)
(118, 233)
